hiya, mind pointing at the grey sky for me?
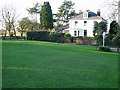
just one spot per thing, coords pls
(22, 5)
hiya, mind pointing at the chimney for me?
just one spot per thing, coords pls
(98, 12)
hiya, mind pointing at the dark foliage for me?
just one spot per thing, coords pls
(38, 35)
(101, 48)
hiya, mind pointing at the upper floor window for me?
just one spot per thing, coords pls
(85, 14)
(85, 22)
(76, 22)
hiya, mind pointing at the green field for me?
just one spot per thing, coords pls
(33, 64)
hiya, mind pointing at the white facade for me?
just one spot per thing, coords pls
(83, 26)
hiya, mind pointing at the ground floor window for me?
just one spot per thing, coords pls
(85, 33)
(75, 33)
(78, 33)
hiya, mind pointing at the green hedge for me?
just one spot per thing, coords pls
(38, 35)
(45, 36)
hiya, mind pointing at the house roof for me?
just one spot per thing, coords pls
(91, 16)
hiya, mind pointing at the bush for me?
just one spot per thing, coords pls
(79, 40)
(67, 35)
(61, 38)
(53, 37)
(38, 35)
(105, 48)
(88, 41)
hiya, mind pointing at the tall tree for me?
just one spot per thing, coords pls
(9, 17)
(46, 17)
(65, 12)
(35, 10)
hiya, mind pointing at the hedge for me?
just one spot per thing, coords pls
(38, 35)
(46, 36)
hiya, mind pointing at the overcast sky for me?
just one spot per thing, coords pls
(22, 5)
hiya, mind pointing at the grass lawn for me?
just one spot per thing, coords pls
(33, 64)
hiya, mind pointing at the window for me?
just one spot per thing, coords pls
(85, 22)
(85, 33)
(76, 22)
(85, 14)
(75, 33)
(78, 33)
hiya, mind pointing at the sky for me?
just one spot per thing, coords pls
(22, 5)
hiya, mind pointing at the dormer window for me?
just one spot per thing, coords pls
(85, 14)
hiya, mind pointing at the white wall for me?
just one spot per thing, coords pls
(81, 27)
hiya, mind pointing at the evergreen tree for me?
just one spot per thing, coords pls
(102, 27)
(65, 12)
(114, 26)
(46, 18)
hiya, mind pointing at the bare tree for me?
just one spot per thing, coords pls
(116, 10)
(9, 17)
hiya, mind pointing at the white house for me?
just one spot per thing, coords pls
(82, 24)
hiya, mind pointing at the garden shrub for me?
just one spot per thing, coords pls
(88, 41)
(53, 37)
(61, 38)
(79, 40)
(67, 35)
(67, 38)
(105, 48)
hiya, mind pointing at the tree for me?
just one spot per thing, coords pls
(116, 40)
(99, 28)
(95, 28)
(46, 18)
(34, 11)
(102, 27)
(25, 24)
(115, 5)
(114, 26)
(65, 12)
(9, 18)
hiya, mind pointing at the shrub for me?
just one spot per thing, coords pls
(88, 41)
(53, 37)
(79, 40)
(105, 48)
(67, 35)
(61, 38)
(38, 35)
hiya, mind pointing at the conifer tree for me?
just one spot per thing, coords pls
(46, 18)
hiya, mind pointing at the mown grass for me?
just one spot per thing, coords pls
(33, 64)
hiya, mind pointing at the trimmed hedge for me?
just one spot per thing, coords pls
(46, 36)
(38, 35)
